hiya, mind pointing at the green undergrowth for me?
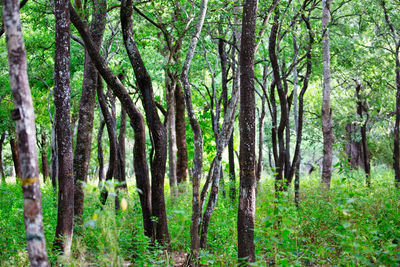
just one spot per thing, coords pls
(352, 225)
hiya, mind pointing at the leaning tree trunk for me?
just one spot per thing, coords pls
(157, 129)
(25, 130)
(100, 150)
(86, 110)
(326, 102)
(171, 124)
(247, 190)
(15, 157)
(136, 121)
(62, 103)
(198, 139)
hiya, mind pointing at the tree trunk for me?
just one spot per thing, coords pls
(180, 126)
(53, 158)
(2, 138)
(247, 191)
(136, 121)
(396, 141)
(171, 122)
(326, 111)
(121, 149)
(25, 130)
(110, 124)
(157, 129)
(100, 150)
(62, 100)
(45, 163)
(198, 139)
(15, 157)
(86, 110)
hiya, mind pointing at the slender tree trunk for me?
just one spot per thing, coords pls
(326, 103)
(198, 139)
(100, 150)
(53, 158)
(136, 121)
(121, 149)
(62, 100)
(180, 126)
(247, 191)
(25, 130)
(157, 129)
(86, 110)
(45, 163)
(172, 147)
(2, 138)
(396, 140)
(15, 157)
(110, 124)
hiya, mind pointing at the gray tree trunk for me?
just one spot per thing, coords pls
(326, 102)
(62, 103)
(25, 129)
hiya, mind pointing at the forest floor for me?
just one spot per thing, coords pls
(352, 225)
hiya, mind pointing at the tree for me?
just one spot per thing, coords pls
(62, 98)
(25, 128)
(86, 110)
(247, 156)
(326, 111)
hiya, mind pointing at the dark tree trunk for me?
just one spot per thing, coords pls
(121, 149)
(45, 163)
(180, 125)
(2, 138)
(100, 151)
(62, 100)
(25, 130)
(15, 157)
(136, 121)
(110, 124)
(247, 191)
(86, 110)
(157, 129)
(326, 111)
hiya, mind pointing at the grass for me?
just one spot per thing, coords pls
(350, 226)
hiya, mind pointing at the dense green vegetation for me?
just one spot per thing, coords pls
(352, 225)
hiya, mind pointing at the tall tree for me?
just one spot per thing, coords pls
(2, 139)
(62, 103)
(25, 129)
(247, 156)
(326, 112)
(86, 110)
(198, 139)
(157, 129)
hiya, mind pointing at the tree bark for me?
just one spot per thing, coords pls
(198, 139)
(25, 130)
(15, 157)
(121, 150)
(180, 126)
(171, 122)
(247, 191)
(2, 138)
(45, 163)
(53, 158)
(62, 100)
(100, 150)
(396, 140)
(86, 110)
(157, 129)
(136, 121)
(326, 112)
